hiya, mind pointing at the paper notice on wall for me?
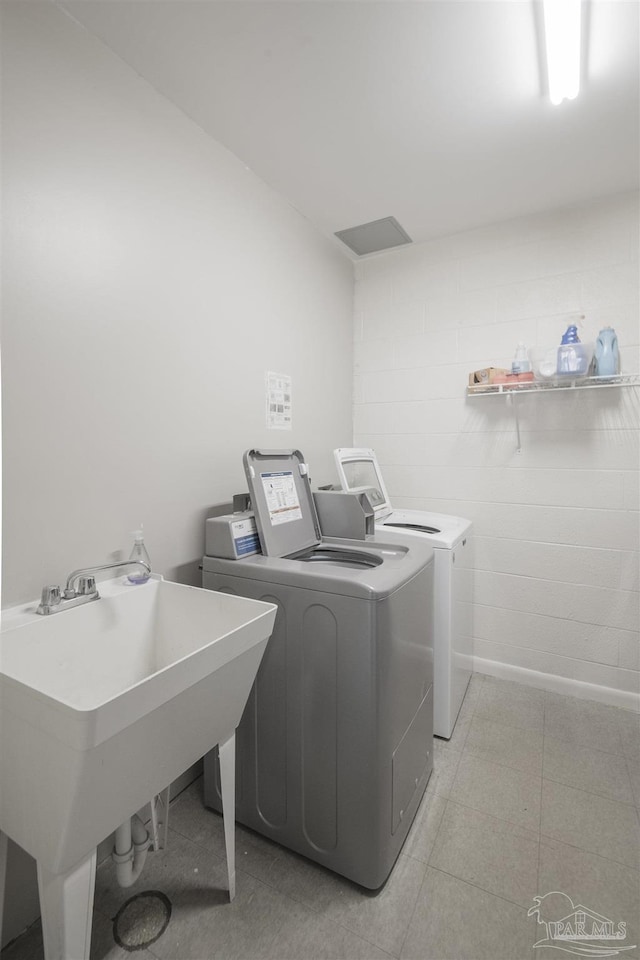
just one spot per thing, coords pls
(278, 401)
(281, 496)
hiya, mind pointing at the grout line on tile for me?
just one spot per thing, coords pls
(513, 823)
(392, 956)
(539, 838)
(507, 766)
(584, 746)
(591, 853)
(579, 743)
(440, 822)
(415, 906)
(550, 695)
(491, 816)
(592, 793)
(478, 887)
(371, 943)
(630, 775)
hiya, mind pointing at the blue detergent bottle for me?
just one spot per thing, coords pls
(573, 359)
(607, 355)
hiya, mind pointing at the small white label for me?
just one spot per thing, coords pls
(242, 528)
(281, 496)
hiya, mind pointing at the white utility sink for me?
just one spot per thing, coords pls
(103, 705)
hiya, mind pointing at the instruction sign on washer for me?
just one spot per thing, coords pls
(281, 496)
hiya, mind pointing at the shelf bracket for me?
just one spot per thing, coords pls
(512, 400)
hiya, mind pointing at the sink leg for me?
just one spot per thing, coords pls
(66, 905)
(4, 851)
(227, 754)
(160, 819)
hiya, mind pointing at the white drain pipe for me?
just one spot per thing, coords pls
(130, 851)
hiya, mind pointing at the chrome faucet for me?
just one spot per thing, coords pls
(54, 600)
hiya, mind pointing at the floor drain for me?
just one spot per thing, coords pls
(141, 920)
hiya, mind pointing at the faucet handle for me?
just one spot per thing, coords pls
(50, 597)
(86, 586)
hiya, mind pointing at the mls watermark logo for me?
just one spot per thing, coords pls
(577, 929)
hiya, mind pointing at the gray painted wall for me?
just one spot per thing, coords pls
(150, 281)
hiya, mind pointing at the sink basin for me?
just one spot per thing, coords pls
(103, 705)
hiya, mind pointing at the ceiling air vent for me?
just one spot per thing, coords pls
(374, 236)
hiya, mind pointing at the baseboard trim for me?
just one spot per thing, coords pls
(555, 684)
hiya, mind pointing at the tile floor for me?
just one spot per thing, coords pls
(534, 793)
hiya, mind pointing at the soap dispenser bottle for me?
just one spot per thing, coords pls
(139, 552)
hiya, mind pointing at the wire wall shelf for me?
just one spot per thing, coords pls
(513, 390)
(554, 385)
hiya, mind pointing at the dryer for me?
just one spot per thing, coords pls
(335, 747)
(452, 540)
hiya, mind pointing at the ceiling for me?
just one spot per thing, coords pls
(434, 112)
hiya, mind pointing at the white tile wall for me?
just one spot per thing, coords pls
(557, 523)
(550, 634)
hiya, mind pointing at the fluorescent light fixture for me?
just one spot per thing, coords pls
(562, 34)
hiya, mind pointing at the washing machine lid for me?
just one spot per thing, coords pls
(439, 529)
(358, 467)
(281, 498)
(394, 561)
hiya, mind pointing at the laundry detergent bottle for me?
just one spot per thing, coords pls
(607, 356)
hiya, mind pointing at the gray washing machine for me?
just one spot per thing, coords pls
(335, 747)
